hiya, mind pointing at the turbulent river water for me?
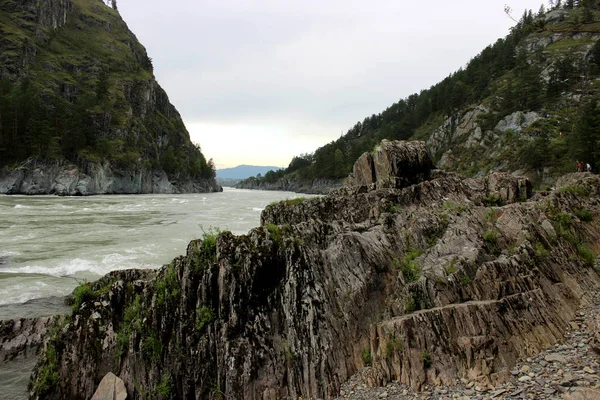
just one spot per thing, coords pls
(48, 244)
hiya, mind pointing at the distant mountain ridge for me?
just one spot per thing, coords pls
(244, 171)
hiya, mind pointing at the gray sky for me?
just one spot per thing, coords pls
(259, 81)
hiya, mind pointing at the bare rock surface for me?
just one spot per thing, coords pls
(111, 388)
(425, 282)
(570, 369)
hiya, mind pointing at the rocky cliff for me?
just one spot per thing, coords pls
(425, 280)
(309, 186)
(80, 109)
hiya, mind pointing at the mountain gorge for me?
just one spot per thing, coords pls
(423, 275)
(80, 109)
(528, 104)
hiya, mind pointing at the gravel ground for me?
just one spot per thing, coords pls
(568, 370)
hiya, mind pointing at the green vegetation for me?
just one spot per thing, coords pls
(450, 268)
(453, 207)
(411, 270)
(490, 240)
(292, 202)
(164, 388)
(492, 200)
(586, 254)
(152, 347)
(540, 251)
(393, 345)
(577, 190)
(204, 317)
(48, 373)
(366, 356)
(83, 96)
(426, 357)
(584, 215)
(82, 293)
(275, 233)
(410, 305)
(132, 322)
(167, 288)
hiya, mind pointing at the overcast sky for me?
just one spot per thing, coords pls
(260, 81)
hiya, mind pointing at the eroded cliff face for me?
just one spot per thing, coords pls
(428, 282)
(67, 179)
(81, 111)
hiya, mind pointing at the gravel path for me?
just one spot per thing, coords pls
(568, 370)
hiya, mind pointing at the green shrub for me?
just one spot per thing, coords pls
(208, 247)
(204, 317)
(48, 375)
(492, 200)
(393, 345)
(410, 305)
(454, 207)
(426, 357)
(275, 232)
(82, 293)
(167, 288)
(577, 190)
(152, 347)
(366, 356)
(584, 215)
(164, 388)
(586, 254)
(293, 202)
(410, 269)
(540, 250)
(490, 240)
(392, 208)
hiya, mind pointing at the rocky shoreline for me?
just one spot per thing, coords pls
(567, 370)
(63, 178)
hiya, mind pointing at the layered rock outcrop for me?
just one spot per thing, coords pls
(67, 179)
(424, 282)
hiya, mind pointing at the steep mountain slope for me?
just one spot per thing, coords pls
(79, 101)
(528, 104)
(412, 271)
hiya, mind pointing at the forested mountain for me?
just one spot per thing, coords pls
(528, 103)
(77, 87)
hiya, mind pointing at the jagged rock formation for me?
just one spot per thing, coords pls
(437, 280)
(81, 112)
(392, 165)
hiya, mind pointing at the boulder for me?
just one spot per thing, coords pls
(508, 188)
(394, 164)
(111, 388)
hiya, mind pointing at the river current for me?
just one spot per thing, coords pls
(49, 244)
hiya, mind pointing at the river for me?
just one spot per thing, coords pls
(49, 244)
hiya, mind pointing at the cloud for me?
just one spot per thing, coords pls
(251, 67)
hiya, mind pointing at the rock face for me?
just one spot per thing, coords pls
(426, 282)
(310, 186)
(111, 388)
(66, 179)
(394, 164)
(96, 121)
